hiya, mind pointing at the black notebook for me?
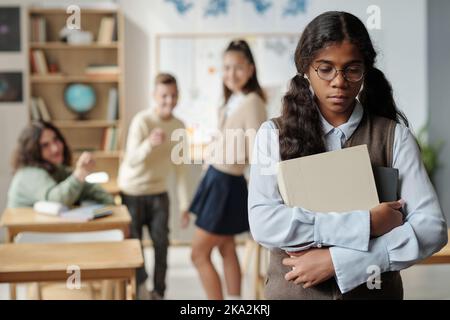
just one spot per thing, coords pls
(386, 180)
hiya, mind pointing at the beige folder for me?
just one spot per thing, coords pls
(335, 181)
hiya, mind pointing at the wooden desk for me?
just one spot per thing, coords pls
(17, 220)
(33, 262)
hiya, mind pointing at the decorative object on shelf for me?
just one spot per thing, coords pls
(295, 7)
(80, 98)
(217, 8)
(11, 86)
(9, 29)
(261, 6)
(76, 37)
(181, 6)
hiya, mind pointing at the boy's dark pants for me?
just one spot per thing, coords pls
(151, 211)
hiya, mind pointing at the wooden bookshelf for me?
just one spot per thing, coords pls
(71, 61)
(64, 46)
(69, 79)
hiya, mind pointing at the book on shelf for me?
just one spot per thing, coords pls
(39, 63)
(113, 104)
(45, 114)
(335, 181)
(39, 110)
(102, 70)
(34, 110)
(110, 139)
(38, 32)
(106, 30)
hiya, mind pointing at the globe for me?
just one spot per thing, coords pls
(80, 98)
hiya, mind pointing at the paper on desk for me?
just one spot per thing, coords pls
(86, 213)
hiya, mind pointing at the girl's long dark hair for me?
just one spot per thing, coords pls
(28, 151)
(252, 84)
(301, 129)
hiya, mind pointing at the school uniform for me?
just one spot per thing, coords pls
(220, 202)
(280, 228)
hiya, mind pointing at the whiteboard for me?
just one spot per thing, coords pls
(196, 62)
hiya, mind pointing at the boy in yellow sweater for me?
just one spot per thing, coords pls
(143, 173)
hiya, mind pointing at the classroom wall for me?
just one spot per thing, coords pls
(439, 87)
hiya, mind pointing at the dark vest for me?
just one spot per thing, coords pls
(378, 134)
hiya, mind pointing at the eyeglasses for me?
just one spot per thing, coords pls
(328, 72)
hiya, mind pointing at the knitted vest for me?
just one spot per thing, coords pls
(378, 133)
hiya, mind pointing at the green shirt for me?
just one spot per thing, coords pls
(32, 184)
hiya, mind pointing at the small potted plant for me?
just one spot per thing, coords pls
(430, 152)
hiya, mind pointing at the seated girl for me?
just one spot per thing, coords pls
(42, 173)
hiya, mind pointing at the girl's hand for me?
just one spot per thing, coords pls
(185, 219)
(85, 166)
(309, 267)
(385, 217)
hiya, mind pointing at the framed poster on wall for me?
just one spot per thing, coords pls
(9, 29)
(11, 87)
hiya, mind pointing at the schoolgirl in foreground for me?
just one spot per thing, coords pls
(340, 99)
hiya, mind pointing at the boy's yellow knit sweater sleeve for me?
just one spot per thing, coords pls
(138, 145)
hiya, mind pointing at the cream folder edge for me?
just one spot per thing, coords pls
(350, 188)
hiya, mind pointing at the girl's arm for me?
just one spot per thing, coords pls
(36, 185)
(423, 233)
(273, 224)
(96, 193)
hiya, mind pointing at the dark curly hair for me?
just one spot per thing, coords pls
(28, 151)
(252, 84)
(300, 125)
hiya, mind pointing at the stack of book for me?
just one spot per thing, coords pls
(38, 62)
(113, 104)
(107, 32)
(39, 110)
(102, 70)
(38, 32)
(110, 139)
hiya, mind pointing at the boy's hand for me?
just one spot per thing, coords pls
(385, 217)
(185, 219)
(157, 137)
(85, 166)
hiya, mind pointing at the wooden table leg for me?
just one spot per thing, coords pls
(121, 289)
(133, 285)
(107, 290)
(12, 291)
